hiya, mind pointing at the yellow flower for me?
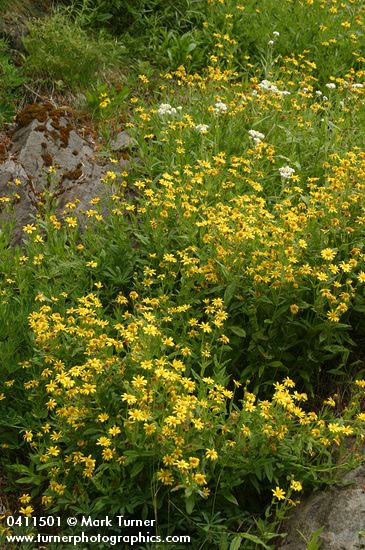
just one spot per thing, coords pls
(294, 309)
(136, 414)
(194, 461)
(120, 299)
(200, 479)
(328, 254)
(278, 493)
(115, 430)
(296, 485)
(89, 462)
(211, 454)
(103, 441)
(332, 316)
(103, 104)
(330, 402)
(25, 498)
(71, 222)
(139, 381)
(205, 327)
(166, 477)
(149, 428)
(28, 436)
(29, 228)
(198, 424)
(51, 404)
(53, 451)
(107, 454)
(321, 276)
(131, 399)
(27, 511)
(288, 382)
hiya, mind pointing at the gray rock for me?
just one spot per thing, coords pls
(38, 146)
(24, 210)
(124, 163)
(340, 511)
(15, 18)
(46, 137)
(122, 142)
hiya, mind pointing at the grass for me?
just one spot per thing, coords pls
(10, 81)
(59, 50)
(183, 358)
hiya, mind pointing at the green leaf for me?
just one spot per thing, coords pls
(236, 543)
(190, 503)
(48, 465)
(256, 540)
(359, 308)
(231, 498)
(239, 331)
(335, 348)
(276, 364)
(229, 292)
(268, 470)
(137, 469)
(322, 337)
(314, 543)
(31, 480)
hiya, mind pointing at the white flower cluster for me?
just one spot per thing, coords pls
(286, 172)
(220, 107)
(331, 85)
(357, 85)
(202, 128)
(319, 94)
(267, 86)
(167, 109)
(256, 136)
(275, 34)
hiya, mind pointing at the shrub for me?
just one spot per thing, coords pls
(233, 250)
(125, 422)
(10, 81)
(58, 49)
(120, 15)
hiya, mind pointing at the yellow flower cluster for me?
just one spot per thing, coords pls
(125, 388)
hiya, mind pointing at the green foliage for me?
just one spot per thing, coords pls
(123, 422)
(155, 348)
(104, 104)
(315, 543)
(172, 48)
(10, 81)
(119, 15)
(59, 50)
(331, 35)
